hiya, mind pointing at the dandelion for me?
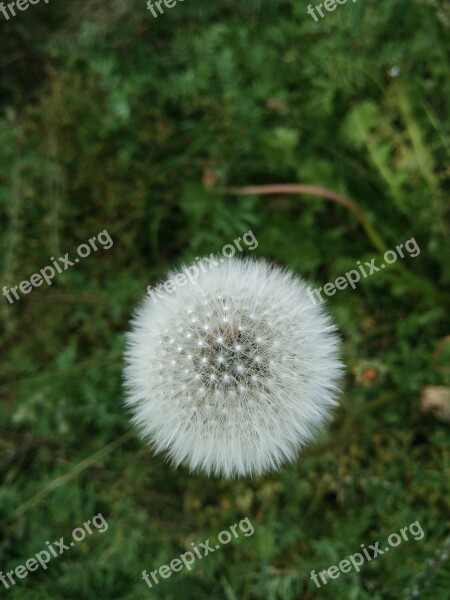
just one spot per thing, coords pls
(234, 372)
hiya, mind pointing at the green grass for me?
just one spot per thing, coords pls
(113, 120)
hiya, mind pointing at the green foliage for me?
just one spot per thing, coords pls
(111, 119)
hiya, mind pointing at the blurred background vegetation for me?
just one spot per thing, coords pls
(111, 119)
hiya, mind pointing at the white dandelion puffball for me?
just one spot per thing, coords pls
(234, 370)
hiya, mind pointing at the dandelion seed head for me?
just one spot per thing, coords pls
(257, 383)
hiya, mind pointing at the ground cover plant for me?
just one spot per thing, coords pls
(150, 129)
